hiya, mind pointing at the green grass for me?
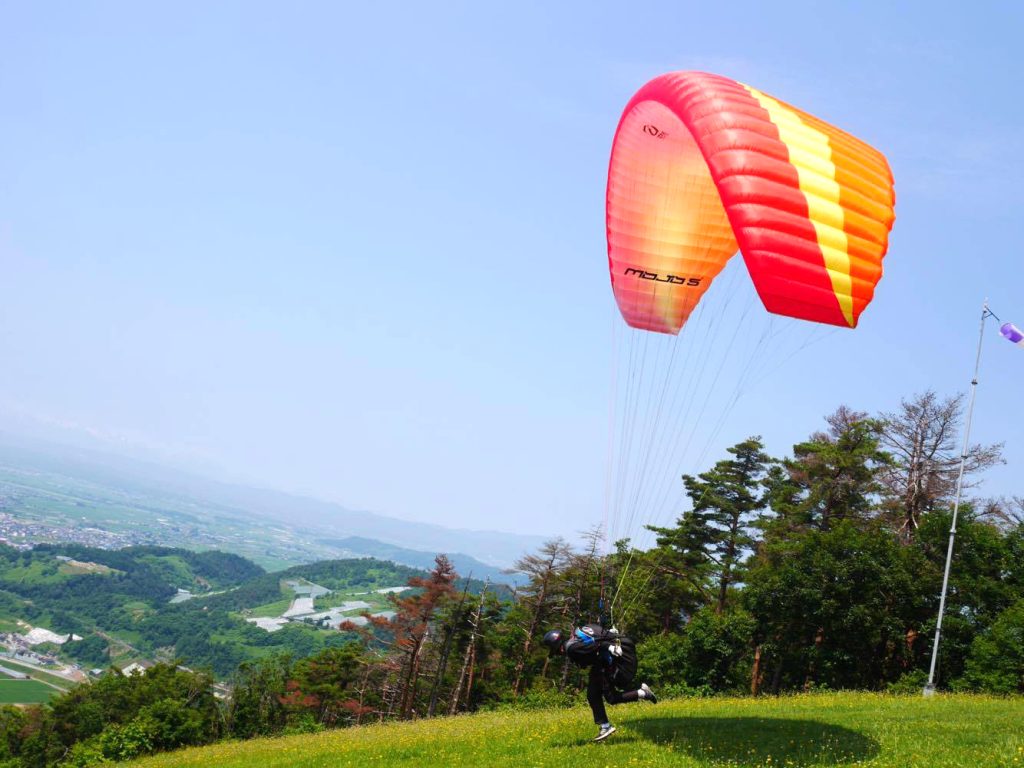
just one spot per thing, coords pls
(849, 729)
(335, 599)
(270, 610)
(271, 563)
(173, 569)
(137, 609)
(77, 568)
(36, 572)
(60, 682)
(25, 692)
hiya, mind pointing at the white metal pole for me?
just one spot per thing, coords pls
(929, 687)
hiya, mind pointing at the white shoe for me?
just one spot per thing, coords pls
(606, 730)
(648, 694)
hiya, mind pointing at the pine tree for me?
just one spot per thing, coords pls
(716, 535)
(831, 477)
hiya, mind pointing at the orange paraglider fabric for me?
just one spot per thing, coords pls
(702, 165)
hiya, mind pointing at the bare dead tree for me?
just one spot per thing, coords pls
(361, 691)
(449, 634)
(922, 438)
(469, 658)
(1002, 512)
(543, 569)
(391, 688)
(584, 572)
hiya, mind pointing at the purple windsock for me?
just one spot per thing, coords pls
(1012, 333)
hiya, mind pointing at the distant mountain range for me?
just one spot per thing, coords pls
(465, 565)
(82, 489)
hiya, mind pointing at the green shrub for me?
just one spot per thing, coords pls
(996, 660)
(911, 682)
(124, 742)
(712, 653)
(540, 697)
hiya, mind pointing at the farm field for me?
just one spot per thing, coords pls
(56, 680)
(805, 731)
(24, 691)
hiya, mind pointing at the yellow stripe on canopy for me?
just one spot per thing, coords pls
(811, 154)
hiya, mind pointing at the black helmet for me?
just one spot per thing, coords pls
(554, 640)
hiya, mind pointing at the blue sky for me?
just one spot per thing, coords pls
(358, 252)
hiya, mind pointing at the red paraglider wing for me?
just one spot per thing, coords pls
(701, 165)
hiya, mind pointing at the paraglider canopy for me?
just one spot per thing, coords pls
(702, 165)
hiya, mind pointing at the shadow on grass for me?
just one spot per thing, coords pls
(749, 741)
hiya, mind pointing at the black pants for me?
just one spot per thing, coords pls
(600, 690)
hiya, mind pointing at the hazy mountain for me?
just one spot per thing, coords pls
(81, 477)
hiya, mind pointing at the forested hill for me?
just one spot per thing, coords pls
(464, 564)
(181, 568)
(206, 609)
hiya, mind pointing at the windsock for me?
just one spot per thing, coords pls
(1013, 334)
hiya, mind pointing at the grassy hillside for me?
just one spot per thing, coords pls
(854, 729)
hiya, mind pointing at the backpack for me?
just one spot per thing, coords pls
(623, 670)
(587, 640)
(583, 647)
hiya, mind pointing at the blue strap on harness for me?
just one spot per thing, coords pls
(583, 637)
